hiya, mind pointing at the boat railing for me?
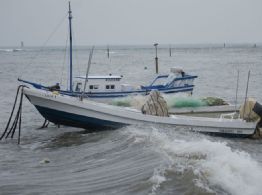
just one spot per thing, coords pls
(231, 116)
(157, 78)
(181, 81)
(185, 77)
(37, 86)
(153, 87)
(169, 83)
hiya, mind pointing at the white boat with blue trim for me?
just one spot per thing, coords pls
(110, 86)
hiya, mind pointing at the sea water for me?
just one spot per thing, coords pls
(149, 159)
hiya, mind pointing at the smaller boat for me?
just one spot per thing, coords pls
(110, 86)
(19, 49)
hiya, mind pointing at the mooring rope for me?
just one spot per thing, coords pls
(18, 117)
(45, 124)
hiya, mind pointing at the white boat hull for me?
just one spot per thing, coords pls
(65, 110)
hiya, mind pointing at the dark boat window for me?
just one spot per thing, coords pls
(107, 86)
(91, 87)
(96, 86)
(112, 87)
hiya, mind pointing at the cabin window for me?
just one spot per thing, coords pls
(110, 86)
(93, 86)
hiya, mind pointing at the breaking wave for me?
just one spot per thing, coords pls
(214, 165)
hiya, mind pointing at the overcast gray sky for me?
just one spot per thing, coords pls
(101, 22)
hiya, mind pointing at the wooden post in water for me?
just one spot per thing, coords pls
(107, 51)
(237, 91)
(156, 58)
(170, 51)
(246, 95)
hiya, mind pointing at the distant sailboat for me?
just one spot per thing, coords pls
(19, 49)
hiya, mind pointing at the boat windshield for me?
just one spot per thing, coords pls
(160, 80)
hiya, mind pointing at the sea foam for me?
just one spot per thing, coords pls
(215, 164)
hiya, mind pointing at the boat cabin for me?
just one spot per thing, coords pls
(107, 83)
(177, 78)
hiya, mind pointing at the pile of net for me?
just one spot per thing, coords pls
(214, 101)
(155, 105)
(193, 102)
(251, 110)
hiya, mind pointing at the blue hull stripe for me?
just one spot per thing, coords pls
(126, 93)
(74, 120)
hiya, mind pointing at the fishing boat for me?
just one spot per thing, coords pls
(71, 109)
(110, 86)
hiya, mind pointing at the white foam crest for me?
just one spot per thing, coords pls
(157, 178)
(234, 171)
(215, 164)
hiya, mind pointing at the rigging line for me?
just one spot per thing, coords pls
(75, 53)
(64, 59)
(49, 37)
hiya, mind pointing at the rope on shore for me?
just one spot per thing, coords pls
(17, 119)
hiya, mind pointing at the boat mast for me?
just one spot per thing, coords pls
(70, 38)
